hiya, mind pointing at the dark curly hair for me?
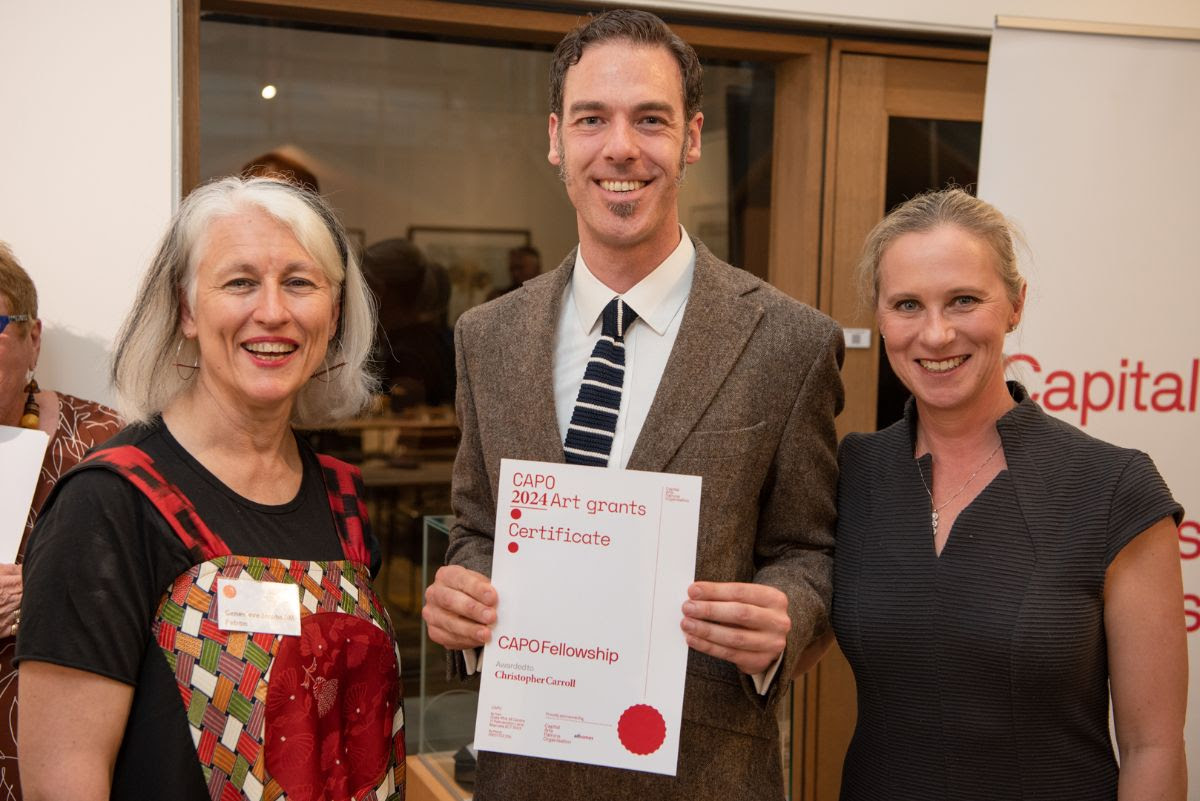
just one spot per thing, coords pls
(639, 28)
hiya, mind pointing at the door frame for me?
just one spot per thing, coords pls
(868, 83)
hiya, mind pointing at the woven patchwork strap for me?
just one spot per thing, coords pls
(224, 676)
(344, 484)
(138, 468)
(343, 487)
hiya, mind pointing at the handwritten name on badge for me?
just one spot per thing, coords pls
(258, 606)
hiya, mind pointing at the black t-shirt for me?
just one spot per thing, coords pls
(99, 562)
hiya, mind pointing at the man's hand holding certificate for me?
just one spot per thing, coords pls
(586, 660)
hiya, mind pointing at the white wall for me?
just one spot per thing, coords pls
(86, 165)
(961, 16)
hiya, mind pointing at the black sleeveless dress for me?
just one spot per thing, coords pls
(982, 673)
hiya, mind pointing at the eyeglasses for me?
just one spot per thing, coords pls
(5, 319)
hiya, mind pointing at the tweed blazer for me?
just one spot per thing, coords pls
(747, 401)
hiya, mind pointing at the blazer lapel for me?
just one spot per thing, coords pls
(530, 365)
(716, 325)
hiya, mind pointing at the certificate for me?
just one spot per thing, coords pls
(587, 660)
(21, 454)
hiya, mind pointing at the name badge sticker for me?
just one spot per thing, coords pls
(258, 606)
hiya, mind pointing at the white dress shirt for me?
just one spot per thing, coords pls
(659, 300)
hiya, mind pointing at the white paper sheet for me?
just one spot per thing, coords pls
(21, 454)
(587, 661)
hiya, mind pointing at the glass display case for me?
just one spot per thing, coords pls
(440, 718)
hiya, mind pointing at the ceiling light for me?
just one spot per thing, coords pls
(268, 91)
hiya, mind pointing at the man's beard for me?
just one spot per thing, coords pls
(623, 210)
(627, 209)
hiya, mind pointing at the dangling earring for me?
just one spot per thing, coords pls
(31, 417)
(192, 367)
(325, 375)
(322, 375)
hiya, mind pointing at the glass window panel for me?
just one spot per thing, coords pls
(726, 197)
(922, 154)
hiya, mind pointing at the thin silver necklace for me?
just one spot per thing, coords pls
(934, 515)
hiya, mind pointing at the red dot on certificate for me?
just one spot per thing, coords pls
(513, 547)
(516, 514)
(642, 729)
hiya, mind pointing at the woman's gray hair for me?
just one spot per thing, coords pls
(151, 342)
(933, 209)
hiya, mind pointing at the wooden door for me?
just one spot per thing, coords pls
(877, 91)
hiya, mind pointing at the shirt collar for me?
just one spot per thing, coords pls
(657, 298)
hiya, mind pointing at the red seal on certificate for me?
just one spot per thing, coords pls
(642, 729)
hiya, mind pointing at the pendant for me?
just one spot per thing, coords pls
(934, 520)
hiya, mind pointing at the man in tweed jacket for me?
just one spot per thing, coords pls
(727, 379)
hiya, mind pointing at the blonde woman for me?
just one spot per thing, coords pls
(999, 575)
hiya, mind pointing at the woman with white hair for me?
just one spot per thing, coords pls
(198, 620)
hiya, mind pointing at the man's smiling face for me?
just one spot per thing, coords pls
(622, 143)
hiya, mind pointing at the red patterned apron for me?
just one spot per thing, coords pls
(318, 717)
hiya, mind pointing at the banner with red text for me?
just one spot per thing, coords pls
(1090, 143)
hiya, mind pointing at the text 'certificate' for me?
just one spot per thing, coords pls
(587, 660)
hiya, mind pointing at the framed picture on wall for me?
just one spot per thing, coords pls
(475, 258)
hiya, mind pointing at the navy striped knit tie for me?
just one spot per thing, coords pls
(594, 421)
